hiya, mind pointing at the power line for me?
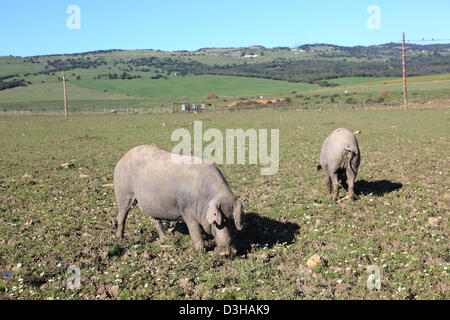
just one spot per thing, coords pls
(428, 40)
(422, 40)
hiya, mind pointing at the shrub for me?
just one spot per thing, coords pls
(212, 95)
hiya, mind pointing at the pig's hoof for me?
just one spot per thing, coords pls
(161, 241)
(119, 236)
(199, 246)
(223, 252)
(342, 199)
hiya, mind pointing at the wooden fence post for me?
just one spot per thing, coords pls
(65, 94)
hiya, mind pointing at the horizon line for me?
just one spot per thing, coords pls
(240, 47)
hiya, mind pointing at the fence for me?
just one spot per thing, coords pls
(121, 110)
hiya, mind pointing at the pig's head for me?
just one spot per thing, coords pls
(222, 215)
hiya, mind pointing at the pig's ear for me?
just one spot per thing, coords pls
(238, 211)
(213, 214)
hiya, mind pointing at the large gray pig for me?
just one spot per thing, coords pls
(339, 159)
(172, 187)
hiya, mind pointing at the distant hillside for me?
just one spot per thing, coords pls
(316, 63)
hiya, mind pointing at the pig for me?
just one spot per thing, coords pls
(339, 159)
(173, 187)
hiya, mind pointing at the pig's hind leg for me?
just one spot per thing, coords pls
(124, 203)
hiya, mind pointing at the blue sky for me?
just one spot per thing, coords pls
(32, 27)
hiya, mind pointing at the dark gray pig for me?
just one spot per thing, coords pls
(172, 187)
(339, 159)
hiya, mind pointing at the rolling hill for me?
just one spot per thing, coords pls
(153, 77)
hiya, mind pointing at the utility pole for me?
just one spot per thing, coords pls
(405, 97)
(65, 94)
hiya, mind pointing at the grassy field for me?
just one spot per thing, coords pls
(52, 218)
(86, 94)
(196, 86)
(379, 80)
(157, 95)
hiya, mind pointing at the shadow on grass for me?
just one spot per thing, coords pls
(262, 231)
(117, 251)
(258, 231)
(377, 188)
